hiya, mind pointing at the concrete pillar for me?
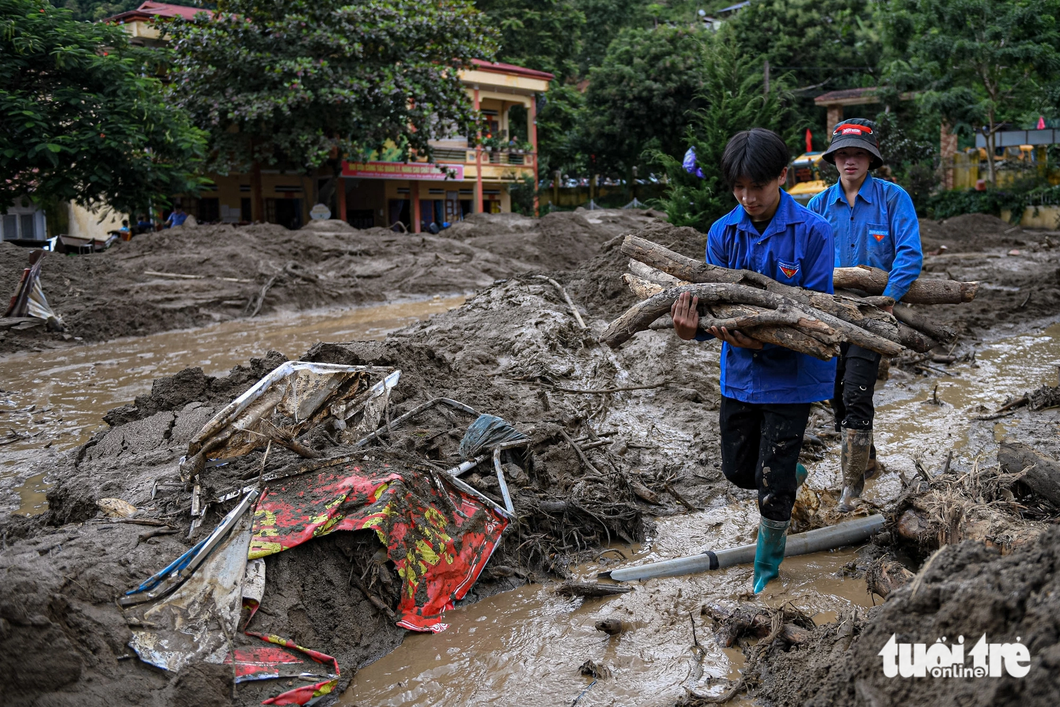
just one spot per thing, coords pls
(532, 132)
(835, 114)
(947, 150)
(414, 194)
(477, 206)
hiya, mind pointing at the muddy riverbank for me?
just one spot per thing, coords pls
(623, 442)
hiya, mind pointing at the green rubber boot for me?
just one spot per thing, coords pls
(800, 475)
(769, 553)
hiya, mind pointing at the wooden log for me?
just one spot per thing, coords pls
(915, 340)
(917, 320)
(967, 520)
(684, 268)
(754, 623)
(1040, 473)
(885, 575)
(591, 589)
(923, 291)
(787, 337)
(641, 315)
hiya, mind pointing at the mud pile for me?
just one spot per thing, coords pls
(1019, 271)
(186, 277)
(969, 590)
(513, 350)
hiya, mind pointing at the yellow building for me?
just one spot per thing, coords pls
(463, 178)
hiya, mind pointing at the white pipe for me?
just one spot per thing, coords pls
(848, 533)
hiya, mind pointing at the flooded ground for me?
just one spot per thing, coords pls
(56, 399)
(526, 646)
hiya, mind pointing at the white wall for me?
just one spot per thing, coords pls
(88, 224)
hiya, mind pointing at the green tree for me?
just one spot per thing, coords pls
(978, 62)
(82, 118)
(643, 94)
(831, 43)
(558, 130)
(538, 34)
(734, 100)
(604, 20)
(296, 84)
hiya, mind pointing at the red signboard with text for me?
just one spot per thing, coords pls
(403, 170)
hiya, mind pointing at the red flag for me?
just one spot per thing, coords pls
(809, 140)
(1041, 123)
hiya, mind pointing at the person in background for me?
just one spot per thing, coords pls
(143, 224)
(766, 390)
(177, 218)
(874, 224)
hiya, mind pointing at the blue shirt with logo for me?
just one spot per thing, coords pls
(795, 249)
(880, 230)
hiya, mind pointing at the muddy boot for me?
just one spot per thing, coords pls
(772, 539)
(854, 460)
(874, 468)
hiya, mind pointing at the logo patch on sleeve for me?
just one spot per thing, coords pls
(790, 270)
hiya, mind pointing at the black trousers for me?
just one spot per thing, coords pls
(760, 446)
(855, 382)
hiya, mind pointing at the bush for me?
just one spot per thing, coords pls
(992, 201)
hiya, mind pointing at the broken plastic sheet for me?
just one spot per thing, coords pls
(29, 299)
(438, 536)
(288, 401)
(190, 612)
(195, 619)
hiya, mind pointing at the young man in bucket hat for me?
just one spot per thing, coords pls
(875, 224)
(766, 390)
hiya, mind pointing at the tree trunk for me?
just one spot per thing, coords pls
(874, 282)
(789, 338)
(1042, 474)
(886, 575)
(991, 175)
(915, 340)
(917, 320)
(641, 315)
(257, 211)
(862, 315)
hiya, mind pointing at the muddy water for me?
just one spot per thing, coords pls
(526, 646)
(55, 400)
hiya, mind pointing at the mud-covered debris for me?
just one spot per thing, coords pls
(611, 626)
(592, 669)
(116, 508)
(591, 589)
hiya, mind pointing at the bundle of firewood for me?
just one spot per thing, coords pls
(803, 320)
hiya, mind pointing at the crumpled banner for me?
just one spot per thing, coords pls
(438, 537)
(285, 659)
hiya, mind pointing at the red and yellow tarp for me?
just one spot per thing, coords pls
(438, 537)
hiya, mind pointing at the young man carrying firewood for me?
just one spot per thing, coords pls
(875, 224)
(766, 390)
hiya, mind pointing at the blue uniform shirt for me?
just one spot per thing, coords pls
(795, 249)
(881, 230)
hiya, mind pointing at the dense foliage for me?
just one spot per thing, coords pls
(83, 117)
(295, 83)
(974, 62)
(735, 100)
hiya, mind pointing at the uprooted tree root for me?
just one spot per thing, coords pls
(784, 626)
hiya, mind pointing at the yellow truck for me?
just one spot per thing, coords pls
(804, 177)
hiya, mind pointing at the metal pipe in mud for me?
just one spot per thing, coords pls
(849, 533)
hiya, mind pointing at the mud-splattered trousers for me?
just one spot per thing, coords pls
(760, 446)
(855, 380)
(767, 392)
